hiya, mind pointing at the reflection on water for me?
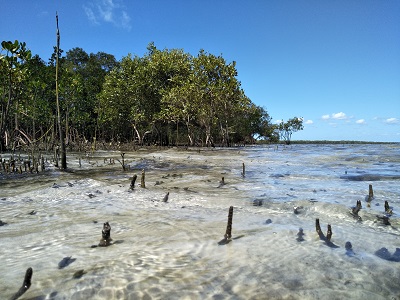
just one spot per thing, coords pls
(169, 249)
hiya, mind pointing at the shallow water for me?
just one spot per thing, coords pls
(170, 250)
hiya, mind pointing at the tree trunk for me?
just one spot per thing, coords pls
(61, 132)
(140, 139)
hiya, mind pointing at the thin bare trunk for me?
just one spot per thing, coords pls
(61, 132)
(140, 141)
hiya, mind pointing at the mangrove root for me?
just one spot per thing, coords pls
(296, 209)
(329, 233)
(142, 183)
(349, 249)
(105, 235)
(370, 196)
(387, 208)
(222, 182)
(318, 227)
(228, 233)
(165, 199)
(123, 161)
(78, 274)
(384, 219)
(300, 235)
(385, 254)
(321, 235)
(25, 285)
(133, 182)
(355, 210)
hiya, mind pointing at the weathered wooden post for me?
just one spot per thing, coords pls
(243, 171)
(370, 193)
(142, 183)
(228, 233)
(329, 233)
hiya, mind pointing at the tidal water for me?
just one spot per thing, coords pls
(171, 250)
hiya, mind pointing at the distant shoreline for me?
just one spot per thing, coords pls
(327, 142)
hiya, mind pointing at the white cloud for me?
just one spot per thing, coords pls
(339, 116)
(392, 121)
(361, 121)
(336, 116)
(91, 16)
(126, 20)
(309, 122)
(109, 11)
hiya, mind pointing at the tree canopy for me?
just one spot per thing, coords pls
(165, 97)
(287, 128)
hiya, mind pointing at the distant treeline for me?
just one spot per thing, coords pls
(337, 142)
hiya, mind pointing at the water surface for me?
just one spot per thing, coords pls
(170, 250)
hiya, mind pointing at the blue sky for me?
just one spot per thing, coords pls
(334, 63)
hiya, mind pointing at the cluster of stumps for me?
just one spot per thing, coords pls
(385, 219)
(106, 239)
(18, 165)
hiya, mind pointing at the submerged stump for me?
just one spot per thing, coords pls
(165, 199)
(388, 210)
(222, 182)
(370, 196)
(105, 235)
(356, 209)
(327, 238)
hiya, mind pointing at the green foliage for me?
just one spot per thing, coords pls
(13, 57)
(287, 128)
(164, 97)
